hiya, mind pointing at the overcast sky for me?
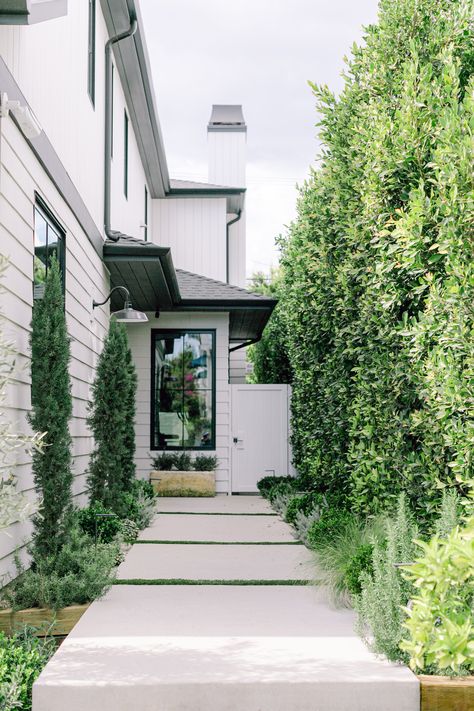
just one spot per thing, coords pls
(261, 54)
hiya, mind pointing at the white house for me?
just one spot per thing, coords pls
(83, 175)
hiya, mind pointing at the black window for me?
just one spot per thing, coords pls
(91, 53)
(145, 221)
(125, 154)
(49, 243)
(183, 390)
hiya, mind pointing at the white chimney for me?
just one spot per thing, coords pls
(227, 144)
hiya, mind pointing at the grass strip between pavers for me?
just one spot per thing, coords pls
(210, 513)
(220, 543)
(188, 581)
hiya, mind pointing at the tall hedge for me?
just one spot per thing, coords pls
(112, 421)
(269, 357)
(378, 267)
(51, 411)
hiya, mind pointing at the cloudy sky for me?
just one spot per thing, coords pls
(261, 54)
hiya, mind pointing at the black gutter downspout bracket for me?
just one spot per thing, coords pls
(108, 122)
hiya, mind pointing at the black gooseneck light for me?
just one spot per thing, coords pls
(127, 314)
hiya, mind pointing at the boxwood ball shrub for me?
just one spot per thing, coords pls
(360, 563)
(97, 519)
(302, 504)
(266, 483)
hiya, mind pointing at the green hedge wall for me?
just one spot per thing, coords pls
(378, 294)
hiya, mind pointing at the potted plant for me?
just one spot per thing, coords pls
(179, 475)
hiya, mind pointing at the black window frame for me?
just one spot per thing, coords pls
(48, 216)
(125, 153)
(156, 333)
(91, 32)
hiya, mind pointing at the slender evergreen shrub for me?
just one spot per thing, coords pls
(111, 420)
(51, 410)
(378, 275)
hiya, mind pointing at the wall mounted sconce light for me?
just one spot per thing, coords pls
(127, 314)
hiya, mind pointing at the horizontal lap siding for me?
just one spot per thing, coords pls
(140, 342)
(86, 278)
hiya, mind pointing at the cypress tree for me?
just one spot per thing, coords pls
(111, 419)
(51, 410)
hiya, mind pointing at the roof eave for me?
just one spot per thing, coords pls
(133, 66)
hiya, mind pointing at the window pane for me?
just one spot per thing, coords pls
(199, 372)
(41, 254)
(198, 418)
(183, 390)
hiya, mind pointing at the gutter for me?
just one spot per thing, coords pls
(227, 266)
(108, 123)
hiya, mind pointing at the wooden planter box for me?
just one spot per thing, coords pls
(54, 622)
(192, 483)
(443, 693)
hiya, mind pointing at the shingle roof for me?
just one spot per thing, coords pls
(195, 287)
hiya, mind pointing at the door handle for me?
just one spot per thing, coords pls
(236, 439)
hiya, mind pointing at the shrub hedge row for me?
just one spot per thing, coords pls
(378, 276)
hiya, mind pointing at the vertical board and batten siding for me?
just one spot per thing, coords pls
(140, 343)
(49, 63)
(86, 278)
(195, 229)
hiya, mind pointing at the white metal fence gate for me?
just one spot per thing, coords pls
(260, 434)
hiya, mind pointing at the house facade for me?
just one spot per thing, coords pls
(83, 176)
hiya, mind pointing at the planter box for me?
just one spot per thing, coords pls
(442, 693)
(192, 483)
(55, 622)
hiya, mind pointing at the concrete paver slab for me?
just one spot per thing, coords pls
(214, 562)
(217, 504)
(268, 529)
(201, 648)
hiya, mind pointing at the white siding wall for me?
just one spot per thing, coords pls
(195, 229)
(140, 342)
(49, 63)
(86, 278)
(227, 164)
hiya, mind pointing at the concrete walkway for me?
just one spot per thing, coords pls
(215, 621)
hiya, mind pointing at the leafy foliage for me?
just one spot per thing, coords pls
(22, 658)
(205, 463)
(111, 419)
(361, 562)
(51, 410)
(266, 483)
(328, 526)
(80, 572)
(269, 357)
(377, 270)
(14, 505)
(96, 520)
(440, 622)
(182, 462)
(163, 462)
(302, 504)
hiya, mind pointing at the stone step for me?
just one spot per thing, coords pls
(218, 528)
(215, 562)
(225, 648)
(220, 504)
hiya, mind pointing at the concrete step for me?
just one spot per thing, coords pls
(220, 504)
(219, 648)
(215, 562)
(245, 528)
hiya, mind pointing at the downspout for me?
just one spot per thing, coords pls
(227, 266)
(108, 122)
